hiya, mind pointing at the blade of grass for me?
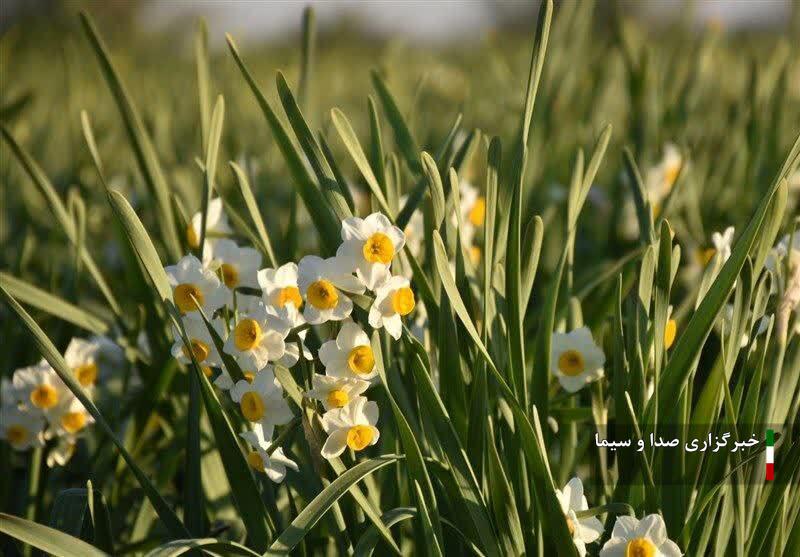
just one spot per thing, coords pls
(45, 187)
(143, 148)
(317, 508)
(46, 539)
(52, 304)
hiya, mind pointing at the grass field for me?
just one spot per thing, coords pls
(355, 296)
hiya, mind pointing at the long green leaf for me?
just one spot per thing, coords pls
(45, 187)
(47, 539)
(317, 508)
(38, 298)
(140, 142)
(314, 200)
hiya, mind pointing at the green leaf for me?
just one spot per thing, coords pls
(415, 463)
(45, 538)
(211, 546)
(244, 489)
(203, 79)
(314, 200)
(82, 513)
(38, 298)
(141, 243)
(143, 148)
(331, 188)
(467, 484)
(46, 189)
(531, 439)
(309, 41)
(402, 135)
(210, 166)
(503, 503)
(53, 356)
(255, 214)
(350, 140)
(369, 539)
(688, 346)
(317, 508)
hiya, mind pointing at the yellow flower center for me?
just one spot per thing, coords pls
(288, 295)
(249, 376)
(198, 348)
(359, 436)
(252, 406)
(478, 212)
(206, 371)
(255, 462)
(17, 435)
(671, 174)
(403, 300)
(360, 360)
(570, 526)
(571, 363)
(656, 210)
(704, 256)
(191, 237)
(322, 294)
(183, 294)
(44, 396)
(378, 249)
(640, 547)
(475, 254)
(230, 275)
(338, 398)
(669, 333)
(86, 374)
(247, 334)
(73, 422)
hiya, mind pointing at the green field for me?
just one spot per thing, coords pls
(511, 251)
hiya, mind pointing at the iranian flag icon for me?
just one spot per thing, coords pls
(770, 455)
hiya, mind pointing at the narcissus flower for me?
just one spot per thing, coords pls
(281, 297)
(722, 243)
(191, 282)
(279, 287)
(335, 392)
(394, 299)
(350, 355)
(22, 429)
(261, 401)
(660, 178)
(62, 452)
(472, 207)
(575, 359)
(273, 465)
(257, 338)
(216, 224)
(236, 266)
(323, 283)
(584, 530)
(350, 426)
(640, 538)
(200, 342)
(69, 418)
(39, 387)
(369, 247)
(81, 358)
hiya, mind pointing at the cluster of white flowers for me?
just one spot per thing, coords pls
(255, 329)
(630, 537)
(37, 406)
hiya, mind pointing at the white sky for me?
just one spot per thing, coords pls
(416, 19)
